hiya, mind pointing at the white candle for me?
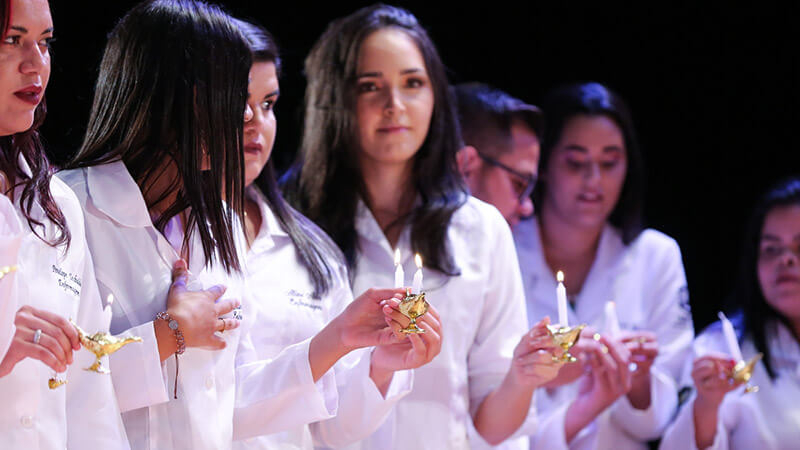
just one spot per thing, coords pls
(399, 275)
(107, 309)
(730, 337)
(416, 284)
(612, 321)
(561, 296)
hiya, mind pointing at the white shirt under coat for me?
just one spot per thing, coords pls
(647, 281)
(483, 318)
(82, 413)
(133, 262)
(765, 420)
(287, 312)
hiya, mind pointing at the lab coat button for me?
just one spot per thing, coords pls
(209, 382)
(26, 421)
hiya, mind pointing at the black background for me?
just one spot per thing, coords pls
(713, 90)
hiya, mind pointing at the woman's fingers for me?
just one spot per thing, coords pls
(30, 320)
(225, 306)
(226, 323)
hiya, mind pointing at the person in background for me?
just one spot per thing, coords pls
(719, 414)
(41, 238)
(500, 158)
(377, 171)
(622, 392)
(298, 284)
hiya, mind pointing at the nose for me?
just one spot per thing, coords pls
(790, 258)
(525, 208)
(394, 102)
(248, 113)
(592, 171)
(35, 59)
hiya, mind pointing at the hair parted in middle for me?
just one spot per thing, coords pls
(325, 182)
(172, 90)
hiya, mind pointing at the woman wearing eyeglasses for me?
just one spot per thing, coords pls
(622, 391)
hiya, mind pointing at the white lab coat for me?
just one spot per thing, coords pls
(286, 311)
(133, 262)
(647, 281)
(766, 420)
(11, 234)
(83, 413)
(483, 319)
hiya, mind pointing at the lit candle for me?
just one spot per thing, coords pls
(416, 284)
(107, 309)
(399, 275)
(561, 295)
(730, 337)
(612, 321)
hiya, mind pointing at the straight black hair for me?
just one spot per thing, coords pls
(325, 182)
(594, 99)
(758, 317)
(172, 91)
(28, 145)
(313, 246)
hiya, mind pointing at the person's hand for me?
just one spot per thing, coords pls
(643, 346)
(712, 379)
(413, 350)
(533, 363)
(584, 350)
(197, 313)
(56, 342)
(609, 377)
(370, 319)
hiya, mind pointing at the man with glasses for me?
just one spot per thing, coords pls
(501, 153)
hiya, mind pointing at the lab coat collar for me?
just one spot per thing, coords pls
(115, 193)
(269, 222)
(367, 227)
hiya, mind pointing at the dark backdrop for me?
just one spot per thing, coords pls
(713, 90)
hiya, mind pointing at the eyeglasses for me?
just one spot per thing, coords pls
(528, 179)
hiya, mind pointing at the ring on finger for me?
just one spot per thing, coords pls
(37, 335)
(223, 324)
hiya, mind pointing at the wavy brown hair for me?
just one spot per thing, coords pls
(36, 185)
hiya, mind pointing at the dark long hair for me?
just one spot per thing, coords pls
(313, 246)
(36, 187)
(594, 99)
(759, 318)
(326, 181)
(172, 89)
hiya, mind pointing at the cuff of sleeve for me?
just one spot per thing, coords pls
(681, 434)
(647, 424)
(137, 372)
(551, 432)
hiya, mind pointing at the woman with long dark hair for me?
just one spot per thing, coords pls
(298, 284)
(160, 178)
(622, 391)
(377, 171)
(766, 298)
(46, 273)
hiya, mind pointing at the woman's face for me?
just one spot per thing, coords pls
(586, 171)
(260, 127)
(395, 98)
(779, 260)
(24, 64)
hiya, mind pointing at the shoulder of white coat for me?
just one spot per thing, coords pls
(75, 181)
(68, 202)
(656, 246)
(475, 214)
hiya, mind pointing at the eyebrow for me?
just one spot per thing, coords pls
(612, 148)
(770, 237)
(25, 30)
(577, 148)
(380, 74)
(273, 93)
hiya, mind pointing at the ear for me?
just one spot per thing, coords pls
(468, 160)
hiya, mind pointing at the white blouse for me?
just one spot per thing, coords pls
(765, 420)
(483, 319)
(133, 262)
(11, 235)
(83, 413)
(287, 312)
(647, 281)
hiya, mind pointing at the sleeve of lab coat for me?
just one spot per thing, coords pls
(670, 320)
(503, 320)
(10, 238)
(93, 416)
(362, 408)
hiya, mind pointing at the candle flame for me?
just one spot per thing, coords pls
(418, 261)
(109, 299)
(613, 305)
(560, 276)
(397, 257)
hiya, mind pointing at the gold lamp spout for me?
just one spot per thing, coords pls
(102, 344)
(565, 337)
(743, 371)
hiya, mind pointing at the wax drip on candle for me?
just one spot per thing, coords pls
(399, 275)
(730, 337)
(416, 285)
(561, 297)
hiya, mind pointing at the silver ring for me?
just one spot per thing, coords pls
(37, 336)
(223, 324)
